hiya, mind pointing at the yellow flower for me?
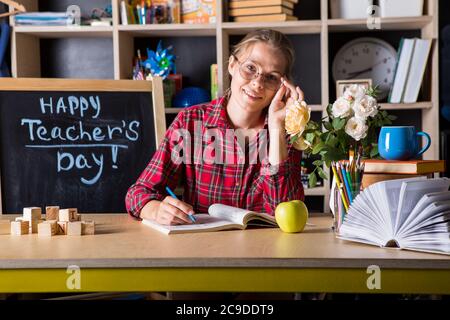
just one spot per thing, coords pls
(301, 144)
(297, 117)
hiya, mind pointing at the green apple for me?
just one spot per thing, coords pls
(291, 216)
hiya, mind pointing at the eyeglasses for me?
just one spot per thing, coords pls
(249, 71)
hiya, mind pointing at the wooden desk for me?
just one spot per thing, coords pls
(126, 256)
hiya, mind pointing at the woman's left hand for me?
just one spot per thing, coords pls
(287, 94)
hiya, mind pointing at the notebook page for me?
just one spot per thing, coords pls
(229, 213)
(203, 222)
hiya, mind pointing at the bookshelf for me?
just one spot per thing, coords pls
(314, 26)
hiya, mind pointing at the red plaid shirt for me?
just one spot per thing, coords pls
(254, 185)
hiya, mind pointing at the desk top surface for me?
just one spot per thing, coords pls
(122, 242)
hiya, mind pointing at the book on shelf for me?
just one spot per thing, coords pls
(219, 217)
(419, 60)
(198, 11)
(236, 4)
(417, 167)
(411, 214)
(260, 11)
(266, 18)
(405, 53)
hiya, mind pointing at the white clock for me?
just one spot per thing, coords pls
(365, 58)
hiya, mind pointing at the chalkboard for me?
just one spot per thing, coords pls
(76, 143)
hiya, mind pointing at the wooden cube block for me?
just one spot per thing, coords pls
(5, 227)
(74, 228)
(32, 213)
(78, 217)
(68, 215)
(47, 228)
(52, 212)
(87, 227)
(34, 225)
(19, 228)
(62, 227)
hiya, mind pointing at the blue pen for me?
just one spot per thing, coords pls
(170, 192)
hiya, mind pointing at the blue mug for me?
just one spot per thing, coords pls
(401, 143)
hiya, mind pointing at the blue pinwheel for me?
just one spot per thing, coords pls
(160, 63)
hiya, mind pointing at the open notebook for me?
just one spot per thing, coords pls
(412, 214)
(220, 217)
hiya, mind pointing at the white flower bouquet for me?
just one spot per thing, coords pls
(352, 124)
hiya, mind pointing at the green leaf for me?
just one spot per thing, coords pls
(318, 163)
(312, 181)
(374, 151)
(318, 147)
(321, 173)
(332, 141)
(328, 126)
(294, 138)
(338, 123)
(310, 137)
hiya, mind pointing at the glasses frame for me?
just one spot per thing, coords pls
(257, 75)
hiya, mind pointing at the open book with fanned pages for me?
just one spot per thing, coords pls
(411, 214)
(219, 217)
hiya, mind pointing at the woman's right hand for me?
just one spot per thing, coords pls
(172, 211)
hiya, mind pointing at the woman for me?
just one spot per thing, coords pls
(218, 168)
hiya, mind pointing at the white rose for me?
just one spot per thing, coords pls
(355, 92)
(341, 108)
(356, 128)
(366, 107)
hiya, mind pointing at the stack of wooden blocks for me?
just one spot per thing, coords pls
(57, 222)
(262, 10)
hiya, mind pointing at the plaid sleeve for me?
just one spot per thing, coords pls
(282, 182)
(161, 171)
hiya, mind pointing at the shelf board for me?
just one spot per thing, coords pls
(316, 107)
(287, 27)
(407, 23)
(407, 106)
(170, 30)
(65, 31)
(318, 191)
(173, 110)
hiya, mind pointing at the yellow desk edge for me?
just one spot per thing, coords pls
(406, 281)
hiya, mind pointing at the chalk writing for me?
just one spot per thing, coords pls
(82, 128)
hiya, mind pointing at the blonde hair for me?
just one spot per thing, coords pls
(275, 39)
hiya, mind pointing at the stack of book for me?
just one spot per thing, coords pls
(262, 10)
(412, 60)
(382, 170)
(150, 12)
(44, 19)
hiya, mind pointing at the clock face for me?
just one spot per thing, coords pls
(367, 58)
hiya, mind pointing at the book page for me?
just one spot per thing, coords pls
(434, 210)
(391, 190)
(424, 202)
(412, 191)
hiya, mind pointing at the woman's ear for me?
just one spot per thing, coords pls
(231, 65)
